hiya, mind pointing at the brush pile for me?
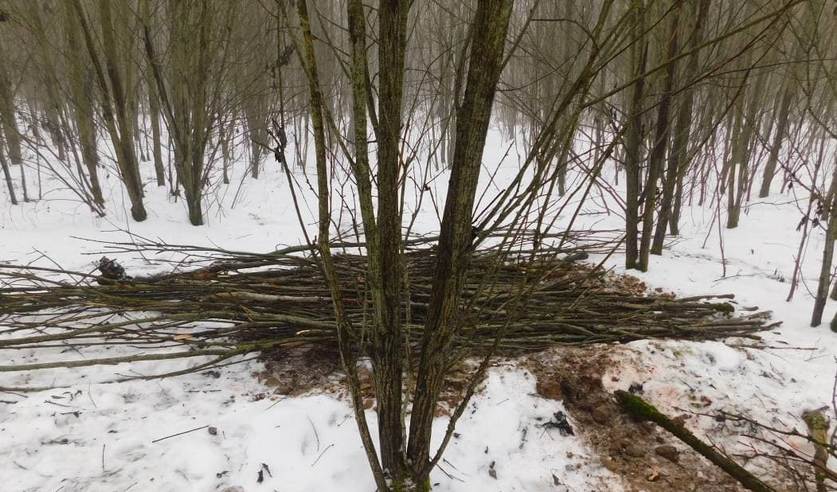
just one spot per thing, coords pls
(222, 305)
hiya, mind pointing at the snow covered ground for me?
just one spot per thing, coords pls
(102, 437)
(774, 385)
(92, 435)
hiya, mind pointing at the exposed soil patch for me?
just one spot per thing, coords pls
(304, 369)
(647, 458)
(298, 370)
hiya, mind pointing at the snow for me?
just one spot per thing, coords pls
(89, 434)
(774, 385)
(91, 437)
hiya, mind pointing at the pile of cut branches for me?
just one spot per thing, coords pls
(221, 304)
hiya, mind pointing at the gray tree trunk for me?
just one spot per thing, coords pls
(658, 151)
(634, 137)
(83, 103)
(678, 157)
(778, 138)
(7, 175)
(828, 252)
(114, 110)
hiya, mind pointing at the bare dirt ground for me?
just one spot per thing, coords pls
(646, 457)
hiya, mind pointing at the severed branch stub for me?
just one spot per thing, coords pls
(642, 410)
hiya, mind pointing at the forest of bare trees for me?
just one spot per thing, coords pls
(707, 100)
(661, 104)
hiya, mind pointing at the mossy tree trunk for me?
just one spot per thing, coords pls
(640, 409)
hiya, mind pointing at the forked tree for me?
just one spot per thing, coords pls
(406, 458)
(188, 84)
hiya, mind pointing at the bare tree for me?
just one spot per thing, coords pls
(190, 89)
(114, 104)
(406, 465)
(634, 136)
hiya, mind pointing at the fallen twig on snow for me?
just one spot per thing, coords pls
(179, 434)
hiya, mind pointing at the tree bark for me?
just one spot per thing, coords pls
(828, 253)
(7, 113)
(153, 108)
(658, 151)
(156, 142)
(778, 137)
(306, 54)
(388, 355)
(746, 124)
(113, 105)
(83, 104)
(489, 29)
(633, 138)
(818, 425)
(736, 154)
(678, 157)
(7, 175)
(188, 101)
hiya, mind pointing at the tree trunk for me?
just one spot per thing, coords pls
(658, 151)
(22, 169)
(7, 175)
(194, 206)
(633, 138)
(678, 158)
(818, 425)
(83, 104)
(255, 130)
(828, 253)
(113, 105)
(187, 90)
(781, 134)
(388, 355)
(306, 53)
(156, 142)
(489, 29)
(153, 108)
(742, 151)
(8, 124)
(735, 155)
(224, 137)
